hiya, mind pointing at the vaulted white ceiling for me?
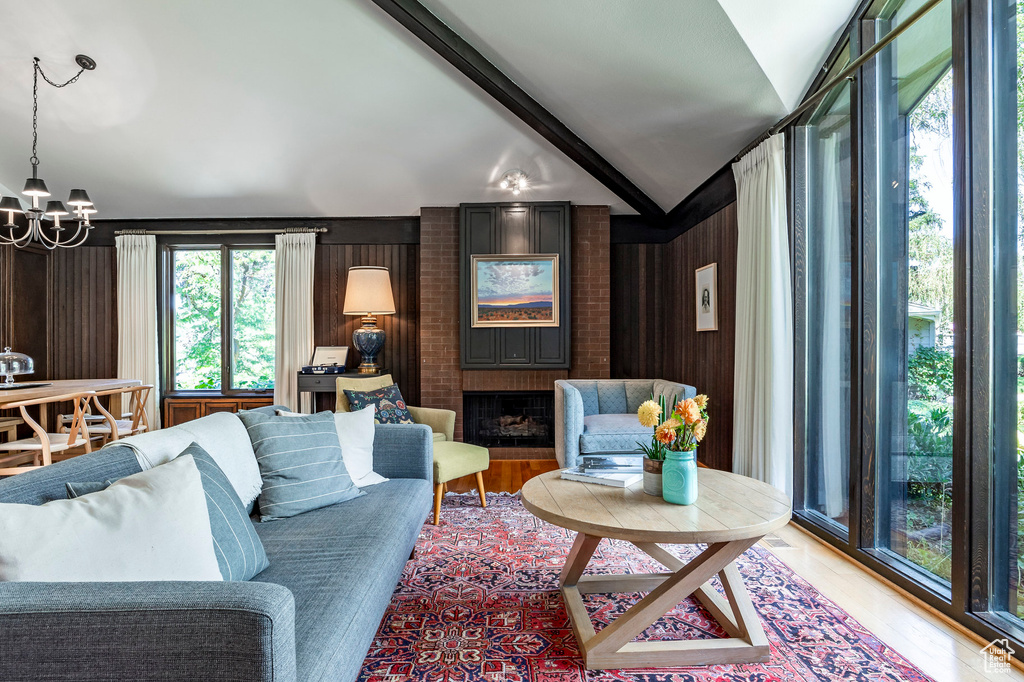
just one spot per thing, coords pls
(240, 108)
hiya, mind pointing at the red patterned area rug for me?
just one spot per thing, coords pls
(480, 603)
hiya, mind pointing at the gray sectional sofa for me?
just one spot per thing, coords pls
(310, 616)
(598, 417)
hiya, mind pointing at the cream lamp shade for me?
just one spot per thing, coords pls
(368, 292)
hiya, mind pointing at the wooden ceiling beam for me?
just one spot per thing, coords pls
(450, 46)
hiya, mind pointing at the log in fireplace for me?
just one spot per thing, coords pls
(509, 419)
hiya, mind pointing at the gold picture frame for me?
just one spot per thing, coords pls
(514, 291)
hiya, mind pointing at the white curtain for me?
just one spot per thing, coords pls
(831, 352)
(763, 382)
(136, 316)
(293, 273)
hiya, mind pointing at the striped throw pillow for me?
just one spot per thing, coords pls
(300, 462)
(240, 554)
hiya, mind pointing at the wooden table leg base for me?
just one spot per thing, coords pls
(613, 646)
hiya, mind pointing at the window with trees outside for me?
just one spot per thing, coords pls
(222, 318)
(907, 210)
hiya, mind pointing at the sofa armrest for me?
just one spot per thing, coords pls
(439, 421)
(147, 631)
(403, 451)
(568, 423)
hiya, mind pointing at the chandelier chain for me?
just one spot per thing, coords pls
(37, 71)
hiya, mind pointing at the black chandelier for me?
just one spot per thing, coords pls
(81, 206)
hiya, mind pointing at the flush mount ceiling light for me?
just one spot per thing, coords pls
(81, 206)
(514, 180)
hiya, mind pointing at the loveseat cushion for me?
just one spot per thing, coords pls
(611, 395)
(342, 564)
(613, 433)
(588, 393)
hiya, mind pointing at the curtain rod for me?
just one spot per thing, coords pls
(846, 74)
(286, 230)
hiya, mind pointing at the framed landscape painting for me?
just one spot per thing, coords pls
(515, 291)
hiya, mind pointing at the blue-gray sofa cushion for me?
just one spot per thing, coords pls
(39, 486)
(239, 552)
(300, 462)
(79, 488)
(342, 564)
(613, 433)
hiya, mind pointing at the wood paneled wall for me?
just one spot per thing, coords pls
(654, 320)
(332, 328)
(23, 295)
(82, 310)
(61, 308)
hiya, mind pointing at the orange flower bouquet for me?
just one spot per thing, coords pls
(680, 431)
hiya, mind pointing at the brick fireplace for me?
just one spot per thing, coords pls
(442, 381)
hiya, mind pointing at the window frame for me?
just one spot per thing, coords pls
(977, 171)
(165, 295)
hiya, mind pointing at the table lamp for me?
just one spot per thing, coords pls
(368, 293)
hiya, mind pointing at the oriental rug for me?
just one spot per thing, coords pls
(480, 603)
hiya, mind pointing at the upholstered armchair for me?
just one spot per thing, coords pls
(599, 417)
(441, 422)
(452, 459)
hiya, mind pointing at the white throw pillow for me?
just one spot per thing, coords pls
(221, 434)
(153, 525)
(355, 432)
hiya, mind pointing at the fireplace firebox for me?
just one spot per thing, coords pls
(509, 419)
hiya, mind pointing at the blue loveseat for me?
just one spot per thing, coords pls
(599, 417)
(310, 616)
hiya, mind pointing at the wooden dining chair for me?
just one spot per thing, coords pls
(38, 450)
(114, 428)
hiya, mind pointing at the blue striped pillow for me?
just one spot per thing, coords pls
(300, 463)
(240, 554)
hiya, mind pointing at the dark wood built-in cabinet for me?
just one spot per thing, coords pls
(515, 229)
(179, 410)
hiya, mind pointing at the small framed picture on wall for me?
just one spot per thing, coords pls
(707, 298)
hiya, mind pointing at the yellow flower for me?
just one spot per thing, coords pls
(666, 432)
(689, 411)
(699, 430)
(649, 413)
(701, 400)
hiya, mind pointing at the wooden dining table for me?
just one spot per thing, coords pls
(66, 387)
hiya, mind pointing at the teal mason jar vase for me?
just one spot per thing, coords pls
(679, 477)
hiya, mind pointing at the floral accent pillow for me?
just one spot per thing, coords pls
(388, 401)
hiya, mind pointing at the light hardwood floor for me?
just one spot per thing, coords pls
(942, 650)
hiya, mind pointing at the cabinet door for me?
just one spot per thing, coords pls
(219, 405)
(479, 226)
(551, 235)
(516, 347)
(515, 233)
(181, 411)
(253, 403)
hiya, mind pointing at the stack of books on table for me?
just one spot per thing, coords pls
(618, 471)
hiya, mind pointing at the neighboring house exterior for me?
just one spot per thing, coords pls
(921, 323)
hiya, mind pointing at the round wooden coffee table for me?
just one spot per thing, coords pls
(732, 513)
